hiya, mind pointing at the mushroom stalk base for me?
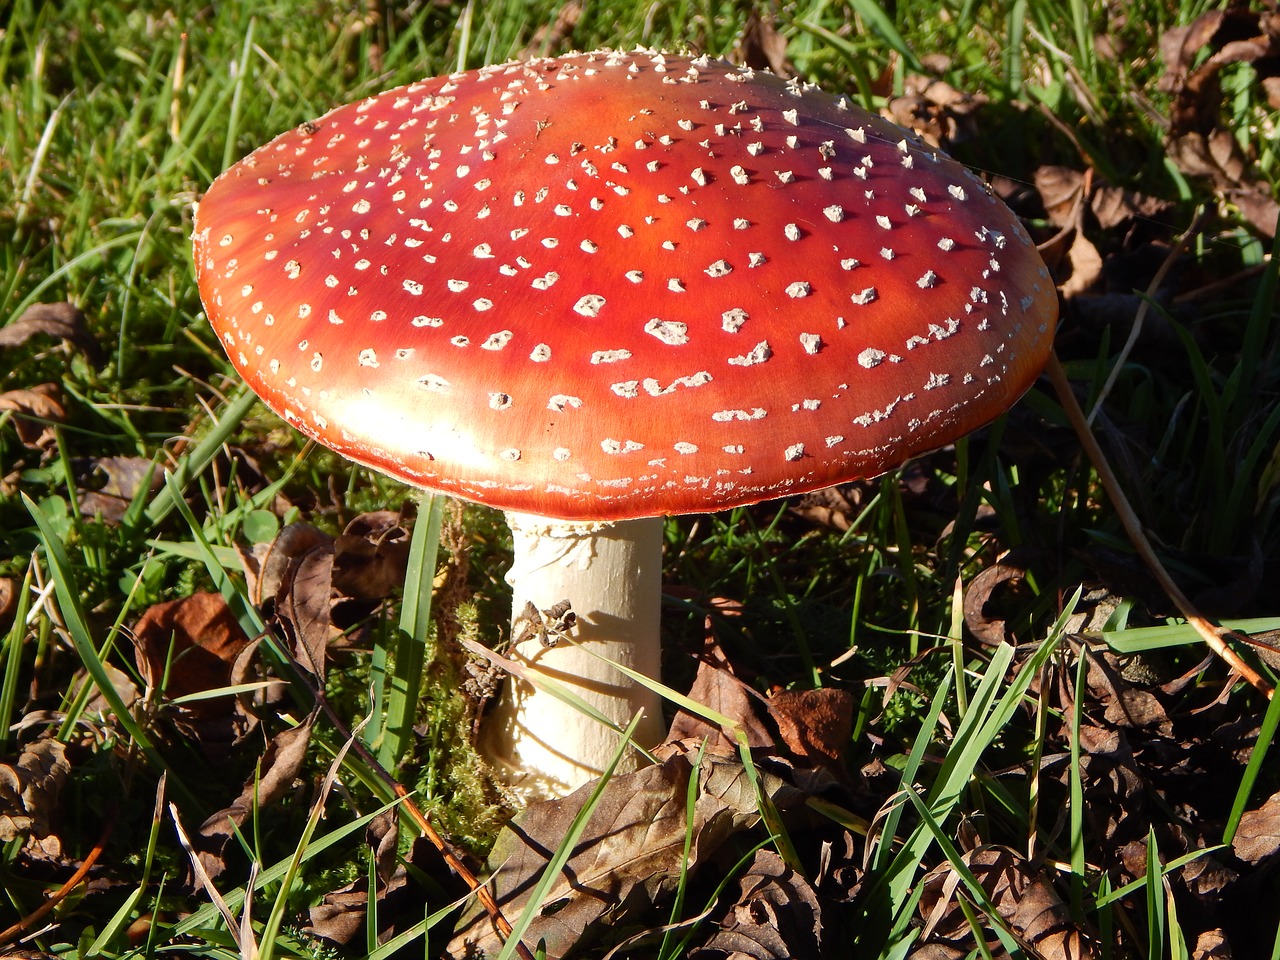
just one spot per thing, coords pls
(612, 576)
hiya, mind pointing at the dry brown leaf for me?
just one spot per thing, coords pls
(716, 688)
(777, 916)
(836, 507)
(1199, 140)
(123, 478)
(29, 789)
(190, 646)
(550, 39)
(63, 321)
(630, 852)
(275, 775)
(1125, 705)
(370, 556)
(315, 586)
(1061, 192)
(1258, 835)
(1211, 945)
(986, 595)
(296, 587)
(341, 914)
(936, 111)
(1021, 895)
(762, 47)
(98, 704)
(9, 587)
(815, 725)
(35, 411)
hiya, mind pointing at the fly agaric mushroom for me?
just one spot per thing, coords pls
(610, 287)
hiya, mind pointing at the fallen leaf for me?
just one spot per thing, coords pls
(988, 595)
(1125, 704)
(1199, 138)
(315, 587)
(776, 916)
(295, 589)
(716, 687)
(1021, 895)
(29, 789)
(762, 47)
(65, 321)
(35, 411)
(9, 587)
(273, 778)
(342, 914)
(1258, 835)
(190, 646)
(815, 725)
(122, 478)
(837, 507)
(189, 643)
(1211, 945)
(370, 556)
(935, 110)
(631, 852)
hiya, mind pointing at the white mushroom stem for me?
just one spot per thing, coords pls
(611, 573)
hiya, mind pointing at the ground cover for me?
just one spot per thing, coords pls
(954, 714)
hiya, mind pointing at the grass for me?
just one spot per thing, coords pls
(114, 118)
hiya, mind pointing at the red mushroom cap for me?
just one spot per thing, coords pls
(614, 285)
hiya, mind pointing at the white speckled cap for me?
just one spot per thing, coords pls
(614, 285)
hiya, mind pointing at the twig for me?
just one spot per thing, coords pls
(60, 894)
(1214, 636)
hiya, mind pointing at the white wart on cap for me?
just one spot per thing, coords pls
(618, 285)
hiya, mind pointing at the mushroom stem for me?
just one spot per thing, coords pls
(611, 573)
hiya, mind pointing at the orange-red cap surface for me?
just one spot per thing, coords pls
(616, 285)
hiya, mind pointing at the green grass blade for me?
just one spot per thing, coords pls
(404, 685)
(64, 581)
(1261, 747)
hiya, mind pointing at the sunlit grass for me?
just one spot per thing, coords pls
(114, 118)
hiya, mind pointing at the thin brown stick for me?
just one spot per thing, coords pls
(1215, 636)
(40, 912)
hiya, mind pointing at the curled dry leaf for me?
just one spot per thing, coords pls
(122, 478)
(273, 778)
(716, 687)
(1258, 835)
(631, 851)
(34, 412)
(29, 788)
(777, 916)
(1199, 139)
(1022, 896)
(63, 321)
(315, 586)
(1212, 945)
(984, 597)
(190, 646)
